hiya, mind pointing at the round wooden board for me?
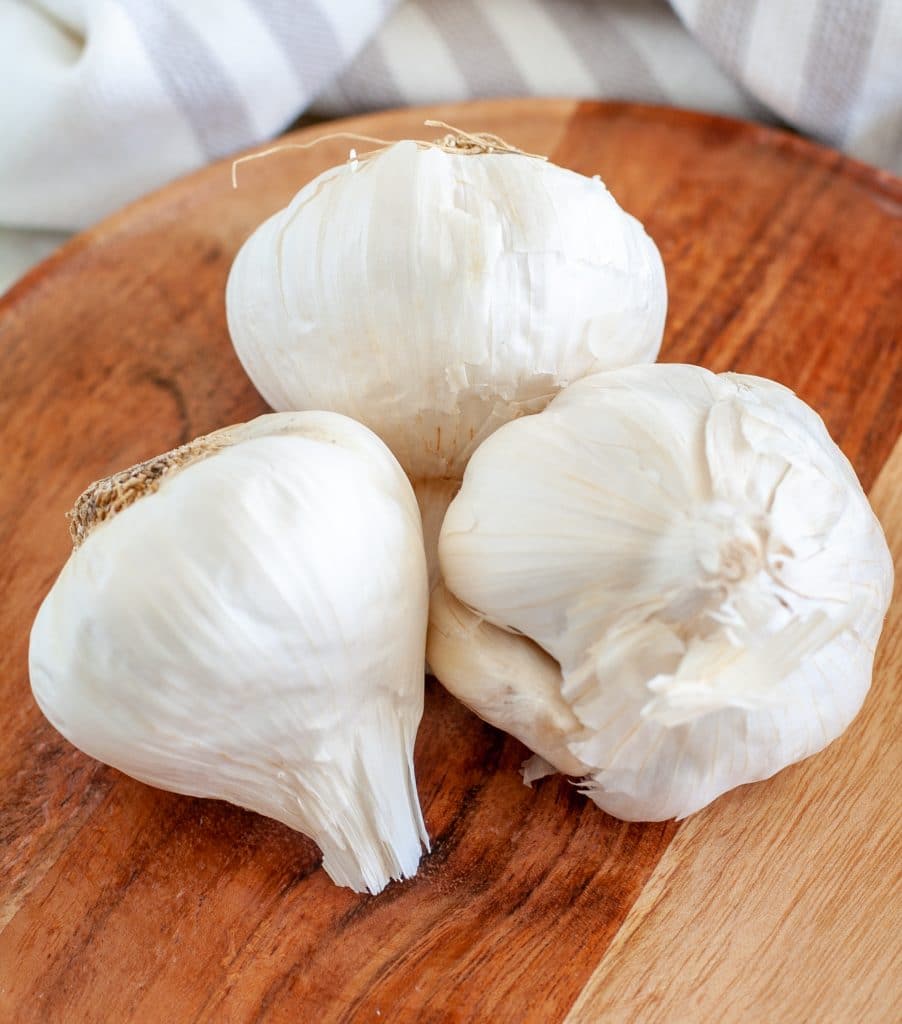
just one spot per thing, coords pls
(123, 903)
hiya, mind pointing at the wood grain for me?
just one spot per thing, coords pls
(118, 902)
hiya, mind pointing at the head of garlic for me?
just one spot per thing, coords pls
(668, 583)
(434, 293)
(244, 618)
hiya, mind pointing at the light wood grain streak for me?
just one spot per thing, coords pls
(780, 902)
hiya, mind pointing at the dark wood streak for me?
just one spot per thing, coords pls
(742, 272)
(170, 386)
(124, 903)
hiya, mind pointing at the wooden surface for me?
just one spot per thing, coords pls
(123, 903)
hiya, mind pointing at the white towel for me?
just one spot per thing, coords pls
(103, 100)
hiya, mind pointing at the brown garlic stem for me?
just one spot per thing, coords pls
(107, 497)
(456, 140)
(459, 141)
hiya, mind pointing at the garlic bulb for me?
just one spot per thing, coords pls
(694, 577)
(244, 618)
(434, 294)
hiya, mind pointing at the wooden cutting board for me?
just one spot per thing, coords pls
(779, 903)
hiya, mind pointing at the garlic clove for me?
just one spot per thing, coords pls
(244, 619)
(501, 676)
(697, 557)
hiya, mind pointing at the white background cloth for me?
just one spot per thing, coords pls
(103, 100)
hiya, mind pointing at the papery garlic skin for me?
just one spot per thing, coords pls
(254, 632)
(697, 556)
(434, 296)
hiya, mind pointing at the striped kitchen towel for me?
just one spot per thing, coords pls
(102, 100)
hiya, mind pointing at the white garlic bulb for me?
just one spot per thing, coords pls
(697, 576)
(244, 618)
(435, 295)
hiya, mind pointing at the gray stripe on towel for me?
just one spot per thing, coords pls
(193, 76)
(476, 48)
(836, 63)
(303, 31)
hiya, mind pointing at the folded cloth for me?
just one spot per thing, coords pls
(830, 68)
(434, 51)
(103, 100)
